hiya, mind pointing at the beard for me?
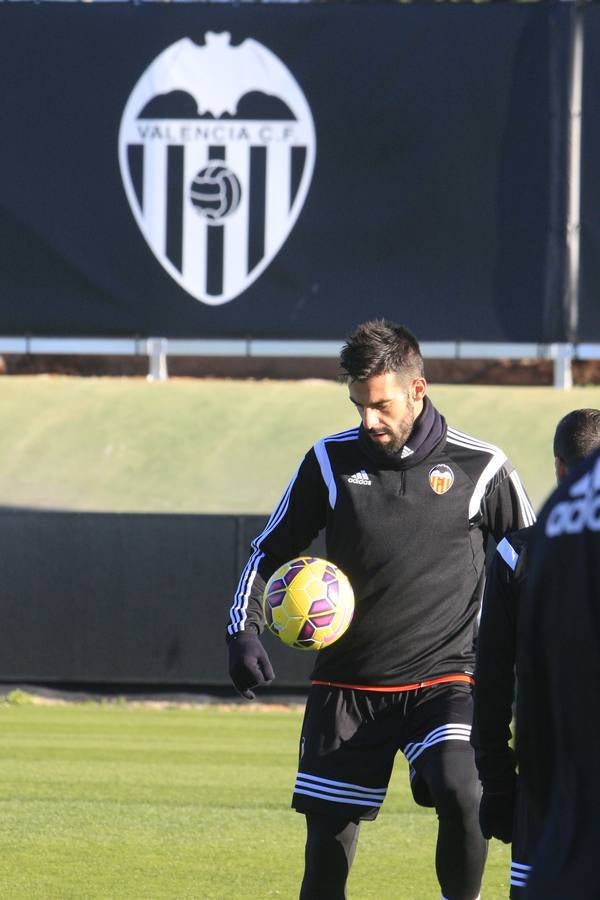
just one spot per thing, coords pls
(400, 433)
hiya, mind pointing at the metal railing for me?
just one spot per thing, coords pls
(159, 349)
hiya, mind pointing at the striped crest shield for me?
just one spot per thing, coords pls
(441, 478)
(217, 150)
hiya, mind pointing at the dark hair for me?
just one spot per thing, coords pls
(577, 435)
(380, 346)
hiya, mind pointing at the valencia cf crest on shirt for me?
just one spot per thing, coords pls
(217, 150)
(441, 479)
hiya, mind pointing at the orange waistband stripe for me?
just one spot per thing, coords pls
(429, 682)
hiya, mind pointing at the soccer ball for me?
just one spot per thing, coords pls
(308, 603)
(215, 192)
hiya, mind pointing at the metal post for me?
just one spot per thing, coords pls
(573, 164)
(156, 349)
(562, 354)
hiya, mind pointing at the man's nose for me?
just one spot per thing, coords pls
(370, 418)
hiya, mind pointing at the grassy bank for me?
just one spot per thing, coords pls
(221, 446)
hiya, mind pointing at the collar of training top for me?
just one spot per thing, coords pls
(429, 430)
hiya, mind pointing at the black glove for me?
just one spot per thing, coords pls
(496, 813)
(249, 664)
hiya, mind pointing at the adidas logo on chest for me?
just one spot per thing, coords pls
(359, 478)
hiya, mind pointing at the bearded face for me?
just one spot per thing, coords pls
(388, 407)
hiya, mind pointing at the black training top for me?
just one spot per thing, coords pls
(409, 531)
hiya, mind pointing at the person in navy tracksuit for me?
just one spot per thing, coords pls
(557, 731)
(504, 811)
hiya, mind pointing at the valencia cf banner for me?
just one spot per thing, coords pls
(278, 170)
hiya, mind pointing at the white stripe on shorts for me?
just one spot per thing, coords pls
(457, 732)
(338, 791)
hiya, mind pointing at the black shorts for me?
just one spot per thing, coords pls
(350, 738)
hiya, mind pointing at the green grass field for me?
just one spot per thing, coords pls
(114, 802)
(212, 446)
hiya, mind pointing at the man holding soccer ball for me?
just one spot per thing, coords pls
(407, 504)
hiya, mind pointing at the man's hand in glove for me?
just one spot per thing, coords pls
(249, 664)
(496, 812)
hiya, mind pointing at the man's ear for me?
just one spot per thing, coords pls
(561, 469)
(418, 389)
